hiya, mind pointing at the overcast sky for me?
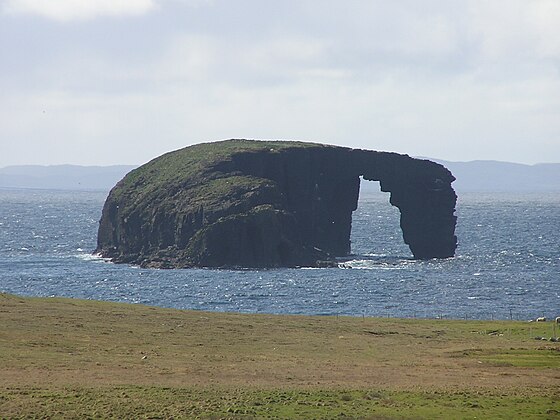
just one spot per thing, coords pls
(122, 81)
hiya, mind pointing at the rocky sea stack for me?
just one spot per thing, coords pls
(255, 204)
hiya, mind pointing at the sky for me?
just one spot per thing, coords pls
(122, 81)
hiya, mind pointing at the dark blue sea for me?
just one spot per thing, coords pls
(507, 263)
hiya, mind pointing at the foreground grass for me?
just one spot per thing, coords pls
(85, 359)
(164, 402)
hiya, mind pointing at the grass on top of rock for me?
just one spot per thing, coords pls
(185, 163)
(189, 171)
(74, 358)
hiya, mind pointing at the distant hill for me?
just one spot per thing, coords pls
(479, 175)
(487, 175)
(63, 177)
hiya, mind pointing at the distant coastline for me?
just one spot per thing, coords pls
(488, 175)
(474, 176)
(63, 177)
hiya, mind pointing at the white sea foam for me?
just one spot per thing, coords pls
(366, 264)
(92, 257)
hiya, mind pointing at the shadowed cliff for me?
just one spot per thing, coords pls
(245, 203)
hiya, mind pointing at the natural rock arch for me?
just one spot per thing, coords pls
(246, 203)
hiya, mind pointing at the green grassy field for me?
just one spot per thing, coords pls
(66, 358)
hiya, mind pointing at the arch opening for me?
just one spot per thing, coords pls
(376, 232)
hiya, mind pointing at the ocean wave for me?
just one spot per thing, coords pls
(368, 264)
(91, 257)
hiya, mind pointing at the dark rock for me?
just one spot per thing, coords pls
(245, 203)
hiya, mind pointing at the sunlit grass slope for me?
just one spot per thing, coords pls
(74, 358)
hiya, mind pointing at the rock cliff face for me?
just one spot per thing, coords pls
(246, 203)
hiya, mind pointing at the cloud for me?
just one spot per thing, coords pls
(70, 10)
(456, 80)
(545, 17)
(518, 31)
(271, 61)
(67, 10)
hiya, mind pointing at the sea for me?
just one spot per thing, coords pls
(507, 264)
